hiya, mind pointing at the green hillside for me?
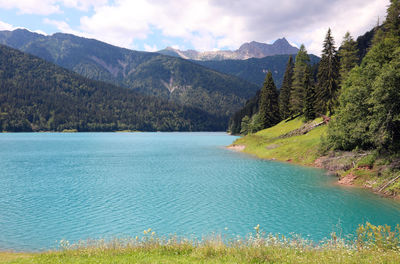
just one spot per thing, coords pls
(173, 79)
(36, 95)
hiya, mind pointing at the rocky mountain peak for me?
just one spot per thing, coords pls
(247, 50)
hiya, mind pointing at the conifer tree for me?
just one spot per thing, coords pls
(348, 55)
(297, 93)
(392, 25)
(269, 108)
(284, 95)
(369, 112)
(309, 100)
(328, 73)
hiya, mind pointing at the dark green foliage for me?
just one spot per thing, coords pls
(249, 109)
(328, 77)
(392, 23)
(251, 125)
(348, 55)
(369, 113)
(364, 43)
(38, 96)
(269, 108)
(310, 97)
(174, 79)
(244, 126)
(284, 95)
(297, 93)
(254, 69)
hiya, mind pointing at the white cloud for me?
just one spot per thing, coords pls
(211, 24)
(40, 32)
(150, 48)
(6, 26)
(122, 23)
(40, 7)
(224, 23)
(63, 26)
(47, 7)
(84, 5)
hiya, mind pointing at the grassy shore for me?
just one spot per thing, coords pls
(204, 255)
(276, 143)
(300, 143)
(372, 245)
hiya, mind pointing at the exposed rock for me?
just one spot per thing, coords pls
(272, 146)
(247, 50)
(304, 129)
(348, 179)
(237, 147)
(111, 69)
(336, 162)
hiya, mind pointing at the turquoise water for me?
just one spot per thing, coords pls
(57, 186)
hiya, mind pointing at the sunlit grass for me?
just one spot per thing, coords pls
(269, 144)
(373, 244)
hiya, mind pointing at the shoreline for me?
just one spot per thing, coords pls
(344, 178)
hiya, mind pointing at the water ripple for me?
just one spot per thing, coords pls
(94, 185)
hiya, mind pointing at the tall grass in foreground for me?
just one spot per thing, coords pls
(372, 244)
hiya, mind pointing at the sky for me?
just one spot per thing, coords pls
(152, 25)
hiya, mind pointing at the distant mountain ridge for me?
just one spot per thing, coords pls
(255, 69)
(246, 51)
(173, 79)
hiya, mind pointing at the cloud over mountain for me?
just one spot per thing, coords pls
(208, 25)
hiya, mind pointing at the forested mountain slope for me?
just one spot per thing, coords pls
(170, 78)
(36, 95)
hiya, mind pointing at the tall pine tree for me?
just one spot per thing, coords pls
(284, 95)
(297, 93)
(309, 100)
(348, 55)
(328, 73)
(269, 108)
(392, 25)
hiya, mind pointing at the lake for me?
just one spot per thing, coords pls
(75, 186)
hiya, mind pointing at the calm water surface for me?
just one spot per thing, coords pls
(101, 185)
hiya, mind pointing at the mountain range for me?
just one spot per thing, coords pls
(170, 78)
(255, 69)
(247, 50)
(36, 95)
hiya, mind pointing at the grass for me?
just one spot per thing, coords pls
(268, 144)
(374, 244)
